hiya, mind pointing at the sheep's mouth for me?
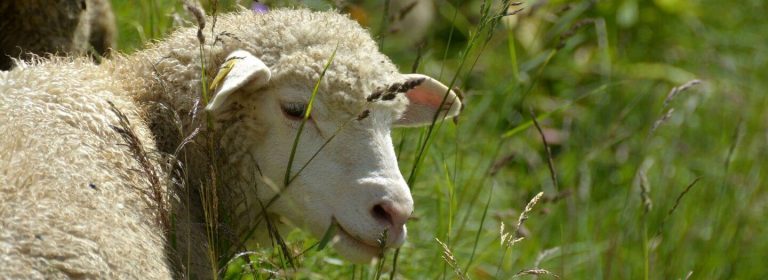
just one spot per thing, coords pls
(344, 231)
(364, 249)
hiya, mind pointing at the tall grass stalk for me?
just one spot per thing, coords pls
(646, 248)
(550, 161)
(449, 41)
(479, 230)
(509, 239)
(450, 259)
(487, 20)
(208, 193)
(384, 23)
(524, 126)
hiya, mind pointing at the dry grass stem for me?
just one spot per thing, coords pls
(277, 239)
(550, 162)
(661, 121)
(507, 238)
(237, 256)
(500, 163)
(677, 203)
(214, 7)
(154, 197)
(382, 250)
(451, 260)
(645, 190)
(680, 197)
(535, 272)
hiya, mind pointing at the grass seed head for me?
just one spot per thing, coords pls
(364, 115)
(194, 8)
(675, 91)
(451, 260)
(536, 272)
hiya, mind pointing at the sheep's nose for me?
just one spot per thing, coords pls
(393, 215)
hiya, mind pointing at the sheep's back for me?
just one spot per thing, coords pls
(72, 190)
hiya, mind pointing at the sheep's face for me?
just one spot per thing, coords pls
(344, 171)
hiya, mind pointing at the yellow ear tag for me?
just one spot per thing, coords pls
(223, 72)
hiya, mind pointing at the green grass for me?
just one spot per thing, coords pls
(596, 75)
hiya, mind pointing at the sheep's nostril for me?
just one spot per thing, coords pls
(381, 214)
(393, 216)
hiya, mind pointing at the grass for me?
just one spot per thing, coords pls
(643, 175)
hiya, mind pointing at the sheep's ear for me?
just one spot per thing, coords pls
(426, 99)
(240, 68)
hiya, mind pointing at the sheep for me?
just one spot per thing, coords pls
(103, 35)
(60, 27)
(84, 176)
(410, 19)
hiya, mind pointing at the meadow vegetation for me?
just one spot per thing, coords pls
(643, 123)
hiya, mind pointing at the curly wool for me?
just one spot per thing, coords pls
(295, 44)
(45, 27)
(74, 194)
(67, 182)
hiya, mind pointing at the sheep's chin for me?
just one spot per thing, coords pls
(353, 249)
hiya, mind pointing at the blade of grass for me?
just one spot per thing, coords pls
(329, 233)
(513, 55)
(487, 24)
(486, 21)
(278, 195)
(209, 192)
(288, 179)
(479, 230)
(306, 117)
(274, 235)
(394, 264)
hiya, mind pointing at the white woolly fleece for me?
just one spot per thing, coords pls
(79, 199)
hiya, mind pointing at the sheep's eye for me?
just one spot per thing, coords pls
(294, 110)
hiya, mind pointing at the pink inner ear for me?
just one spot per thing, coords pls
(425, 100)
(424, 97)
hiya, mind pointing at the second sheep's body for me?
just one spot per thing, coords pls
(43, 27)
(97, 159)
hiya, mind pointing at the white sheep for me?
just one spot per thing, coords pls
(410, 19)
(53, 26)
(83, 189)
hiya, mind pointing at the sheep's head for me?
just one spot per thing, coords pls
(344, 170)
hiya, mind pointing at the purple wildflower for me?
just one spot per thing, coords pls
(259, 8)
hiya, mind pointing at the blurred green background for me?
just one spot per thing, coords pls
(597, 74)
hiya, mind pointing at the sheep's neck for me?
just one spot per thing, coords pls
(174, 112)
